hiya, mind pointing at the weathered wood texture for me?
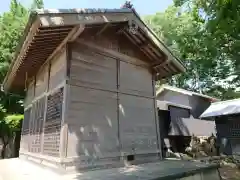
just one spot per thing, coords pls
(41, 81)
(92, 123)
(137, 125)
(114, 39)
(36, 125)
(228, 135)
(52, 125)
(90, 69)
(25, 131)
(43, 108)
(92, 111)
(108, 106)
(29, 94)
(111, 108)
(58, 70)
(135, 80)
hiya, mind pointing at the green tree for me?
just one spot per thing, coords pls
(209, 69)
(37, 4)
(10, 125)
(12, 24)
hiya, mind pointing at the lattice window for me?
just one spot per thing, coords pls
(31, 128)
(25, 129)
(52, 124)
(234, 127)
(37, 125)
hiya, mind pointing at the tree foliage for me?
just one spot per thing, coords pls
(207, 47)
(12, 24)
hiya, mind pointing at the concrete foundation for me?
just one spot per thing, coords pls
(20, 169)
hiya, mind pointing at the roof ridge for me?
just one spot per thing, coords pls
(166, 86)
(82, 10)
(230, 100)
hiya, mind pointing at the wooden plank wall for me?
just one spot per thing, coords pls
(111, 109)
(136, 110)
(57, 70)
(40, 137)
(29, 94)
(92, 111)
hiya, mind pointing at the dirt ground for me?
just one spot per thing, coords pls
(229, 173)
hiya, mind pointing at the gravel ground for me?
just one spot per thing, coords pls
(229, 173)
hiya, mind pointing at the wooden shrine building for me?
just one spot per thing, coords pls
(89, 77)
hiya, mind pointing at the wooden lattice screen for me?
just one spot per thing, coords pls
(234, 126)
(52, 124)
(36, 125)
(25, 129)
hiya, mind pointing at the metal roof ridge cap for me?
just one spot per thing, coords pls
(82, 11)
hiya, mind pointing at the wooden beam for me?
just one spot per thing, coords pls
(26, 77)
(15, 64)
(70, 37)
(54, 33)
(136, 42)
(67, 19)
(159, 142)
(153, 37)
(103, 29)
(111, 53)
(50, 29)
(36, 38)
(48, 40)
(80, 29)
(162, 64)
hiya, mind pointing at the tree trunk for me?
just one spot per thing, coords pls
(3, 150)
(17, 140)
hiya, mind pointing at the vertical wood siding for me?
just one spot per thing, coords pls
(135, 80)
(92, 106)
(118, 42)
(25, 131)
(111, 107)
(90, 69)
(137, 125)
(58, 70)
(39, 136)
(92, 123)
(41, 81)
(29, 94)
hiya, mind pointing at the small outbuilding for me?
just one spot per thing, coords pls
(179, 113)
(89, 77)
(226, 115)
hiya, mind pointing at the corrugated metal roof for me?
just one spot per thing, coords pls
(222, 108)
(47, 29)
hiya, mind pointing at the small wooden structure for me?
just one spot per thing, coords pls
(179, 113)
(89, 77)
(226, 115)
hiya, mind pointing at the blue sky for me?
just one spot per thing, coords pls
(143, 7)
